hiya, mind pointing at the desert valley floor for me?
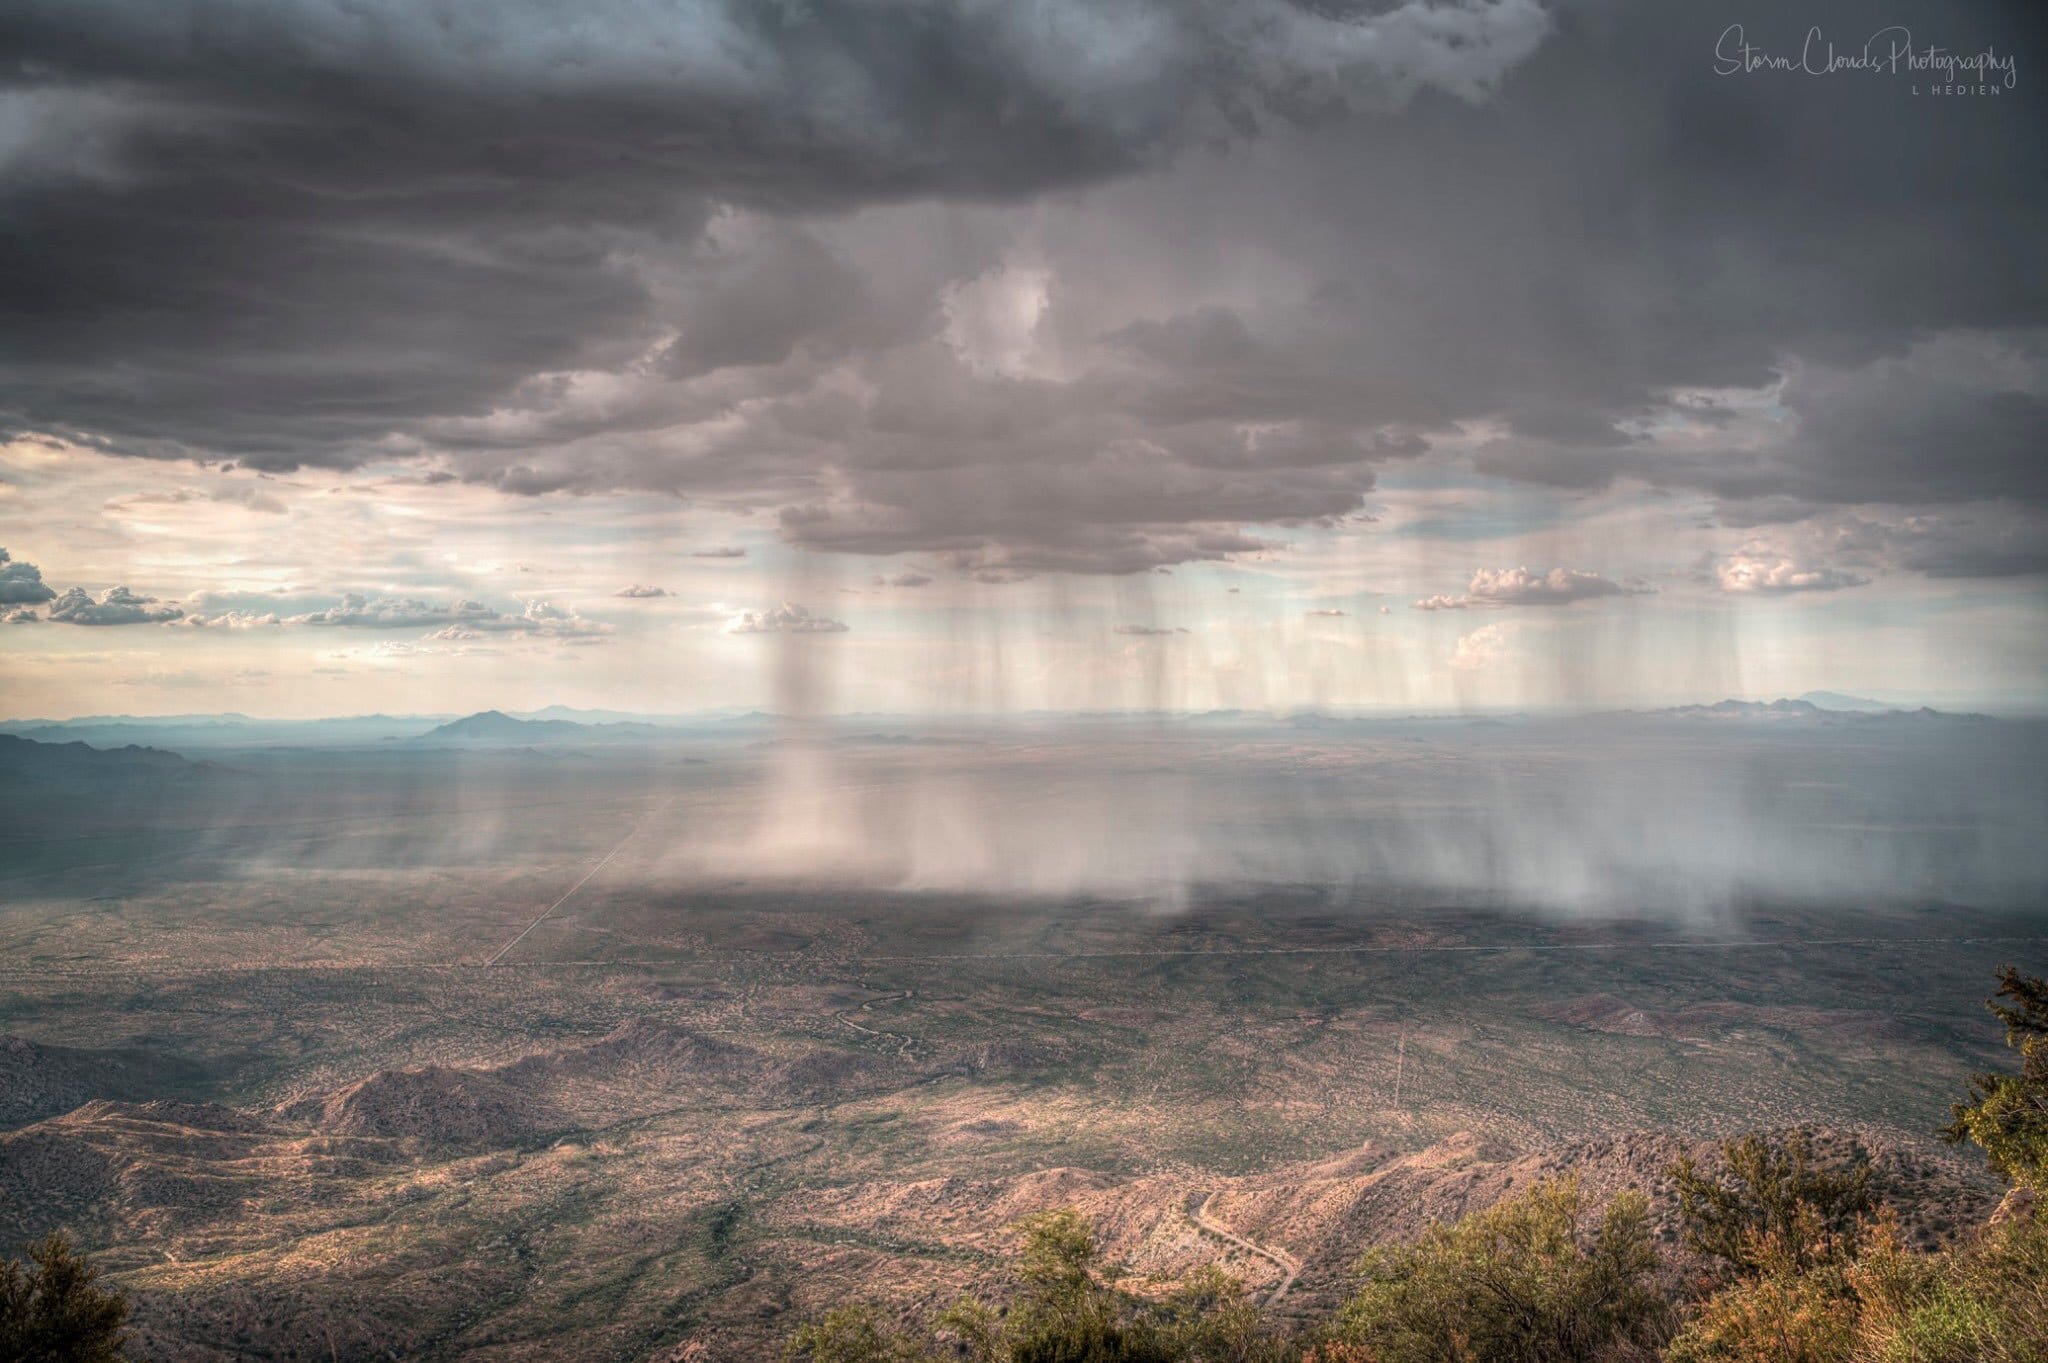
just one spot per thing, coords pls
(341, 1055)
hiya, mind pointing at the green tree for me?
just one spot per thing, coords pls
(1067, 1314)
(1759, 1192)
(1064, 1312)
(1526, 1281)
(851, 1334)
(1211, 1318)
(2008, 1113)
(53, 1310)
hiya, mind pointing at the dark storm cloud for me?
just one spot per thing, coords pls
(21, 584)
(1956, 418)
(299, 226)
(625, 251)
(1941, 548)
(114, 606)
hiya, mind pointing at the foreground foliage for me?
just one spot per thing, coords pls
(1805, 1266)
(1770, 1193)
(2008, 1113)
(1522, 1282)
(1870, 1300)
(1066, 1311)
(53, 1310)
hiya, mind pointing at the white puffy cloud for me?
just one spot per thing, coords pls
(540, 619)
(545, 620)
(357, 611)
(114, 606)
(231, 619)
(1747, 573)
(637, 592)
(1494, 587)
(1485, 647)
(786, 618)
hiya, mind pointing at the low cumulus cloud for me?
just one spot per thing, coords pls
(21, 584)
(640, 593)
(1328, 613)
(1487, 647)
(358, 611)
(721, 551)
(469, 619)
(1148, 631)
(1751, 574)
(544, 620)
(1492, 588)
(114, 606)
(232, 620)
(250, 498)
(786, 618)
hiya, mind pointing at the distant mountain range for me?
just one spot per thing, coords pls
(1804, 708)
(27, 759)
(559, 724)
(495, 726)
(230, 731)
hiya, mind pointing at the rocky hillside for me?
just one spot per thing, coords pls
(38, 1081)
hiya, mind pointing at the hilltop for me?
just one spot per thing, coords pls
(32, 759)
(495, 726)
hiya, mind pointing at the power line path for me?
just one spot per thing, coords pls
(631, 834)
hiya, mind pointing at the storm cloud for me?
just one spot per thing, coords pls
(1038, 289)
(21, 584)
(114, 606)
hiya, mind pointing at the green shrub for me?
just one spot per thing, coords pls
(1523, 1282)
(1064, 1312)
(852, 1334)
(1760, 1196)
(52, 1309)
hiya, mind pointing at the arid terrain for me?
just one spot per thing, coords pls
(354, 1052)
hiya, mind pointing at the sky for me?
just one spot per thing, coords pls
(963, 357)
